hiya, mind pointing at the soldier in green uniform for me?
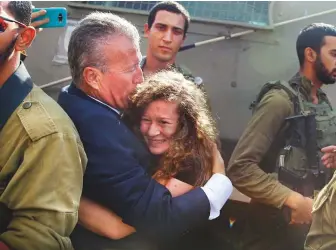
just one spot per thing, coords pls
(253, 164)
(42, 159)
(322, 233)
(166, 30)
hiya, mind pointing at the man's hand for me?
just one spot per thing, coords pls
(329, 157)
(301, 208)
(36, 24)
(218, 165)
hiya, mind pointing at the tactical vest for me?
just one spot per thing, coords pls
(296, 157)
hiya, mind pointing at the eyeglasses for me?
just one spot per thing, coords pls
(4, 24)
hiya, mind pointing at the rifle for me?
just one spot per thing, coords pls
(302, 172)
(303, 136)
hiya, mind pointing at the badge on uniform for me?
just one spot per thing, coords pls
(198, 80)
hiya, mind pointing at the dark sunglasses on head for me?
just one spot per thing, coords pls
(4, 23)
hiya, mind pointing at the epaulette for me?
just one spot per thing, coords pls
(188, 75)
(283, 85)
(35, 119)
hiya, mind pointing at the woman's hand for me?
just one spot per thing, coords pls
(102, 221)
(218, 165)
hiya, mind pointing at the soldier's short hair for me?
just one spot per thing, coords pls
(312, 36)
(169, 6)
(21, 10)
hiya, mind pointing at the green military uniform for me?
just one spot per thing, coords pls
(42, 163)
(322, 233)
(183, 70)
(186, 73)
(252, 166)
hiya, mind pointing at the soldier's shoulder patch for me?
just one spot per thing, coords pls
(188, 75)
(184, 70)
(34, 117)
(198, 80)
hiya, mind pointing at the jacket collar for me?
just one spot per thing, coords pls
(72, 89)
(305, 85)
(144, 60)
(13, 92)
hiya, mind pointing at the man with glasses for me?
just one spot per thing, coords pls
(42, 159)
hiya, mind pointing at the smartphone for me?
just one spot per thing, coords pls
(57, 17)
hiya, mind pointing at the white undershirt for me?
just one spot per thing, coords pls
(114, 109)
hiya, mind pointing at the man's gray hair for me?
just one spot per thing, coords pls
(88, 39)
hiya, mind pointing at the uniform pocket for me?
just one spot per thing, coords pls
(323, 195)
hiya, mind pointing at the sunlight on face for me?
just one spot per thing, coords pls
(159, 124)
(123, 74)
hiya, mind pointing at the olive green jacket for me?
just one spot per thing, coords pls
(322, 233)
(253, 160)
(42, 162)
(187, 75)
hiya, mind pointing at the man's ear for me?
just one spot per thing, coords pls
(92, 77)
(25, 38)
(146, 30)
(310, 55)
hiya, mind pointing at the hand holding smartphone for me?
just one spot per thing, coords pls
(54, 17)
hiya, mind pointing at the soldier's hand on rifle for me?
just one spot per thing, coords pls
(329, 157)
(301, 208)
(36, 24)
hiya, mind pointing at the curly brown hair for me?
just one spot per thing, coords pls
(192, 145)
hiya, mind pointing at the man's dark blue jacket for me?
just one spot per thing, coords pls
(116, 175)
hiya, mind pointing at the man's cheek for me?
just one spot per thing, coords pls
(4, 42)
(2, 47)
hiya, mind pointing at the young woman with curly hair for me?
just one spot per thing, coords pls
(171, 115)
(176, 124)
